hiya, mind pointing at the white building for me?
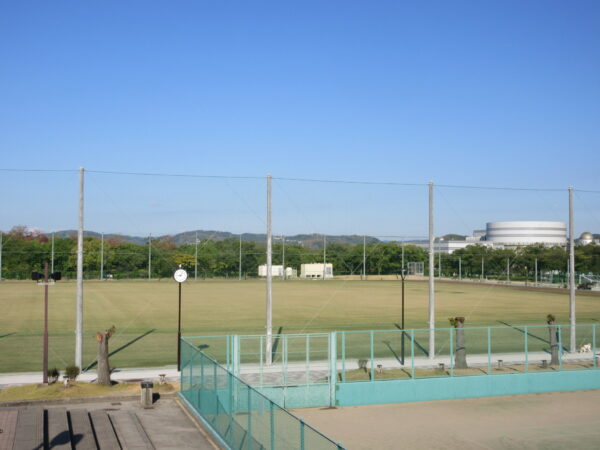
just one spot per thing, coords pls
(518, 234)
(510, 235)
(318, 270)
(276, 271)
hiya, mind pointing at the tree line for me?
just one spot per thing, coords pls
(24, 251)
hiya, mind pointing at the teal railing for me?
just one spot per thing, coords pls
(238, 414)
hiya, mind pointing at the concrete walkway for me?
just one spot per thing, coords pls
(132, 375)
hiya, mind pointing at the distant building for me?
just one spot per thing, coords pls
(318, 270)
(277, 271)
(510, 235)
(519, 234)
(587, 238)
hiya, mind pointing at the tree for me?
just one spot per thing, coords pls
(103, 367)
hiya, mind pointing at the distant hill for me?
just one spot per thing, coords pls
(306, 240)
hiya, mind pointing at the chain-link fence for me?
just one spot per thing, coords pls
(242, 417)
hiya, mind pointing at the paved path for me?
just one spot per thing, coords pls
(102, 425)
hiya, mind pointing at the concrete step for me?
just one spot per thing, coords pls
(29, 433)
(105, 433)
(82, 434)
(8, 427)
(59, 435)
(130, 431)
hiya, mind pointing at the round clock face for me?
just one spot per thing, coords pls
(180, 275)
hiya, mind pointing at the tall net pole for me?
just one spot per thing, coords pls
(51, 255)
(1, 255)
(79, 302)
(102, 256)
(572, 271)
(431, 277)
(283, 256)
(196, 257)
(364, 258)
(240, 265)
(269, 325)
(324, 256)
(150, 256)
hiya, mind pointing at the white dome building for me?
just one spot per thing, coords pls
(521, 233)
(585, 238)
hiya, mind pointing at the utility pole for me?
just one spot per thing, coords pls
(269, 325)
(45, 346)
(240, 265)
(51, 255)
(101, 256)
(431, 278)
(283, 255)
(572, 318)
(150, 256)
(482, 268)
(440, 262)
(459, 269)
(196, 257)
(507, 269)
(79, 311)
(536, 272)
(402, 255)
(324, 255)
(364, 258)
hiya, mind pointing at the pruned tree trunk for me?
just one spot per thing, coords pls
(103, 367)
(460, 356)
(553, 330)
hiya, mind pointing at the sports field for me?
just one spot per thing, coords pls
(145, 313)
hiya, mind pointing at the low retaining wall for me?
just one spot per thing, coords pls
(426, 389)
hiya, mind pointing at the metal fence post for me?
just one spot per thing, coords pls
(343, 356)
(284, 358)
(249, 417)
(451, 351)
(307, 358)
(594, 346)
(301, 434)
(272, 424)
(261, 364)
(372, 355)
(412, 353)
(489, 349)
(229, 435)
(526, 349)
(332, 367)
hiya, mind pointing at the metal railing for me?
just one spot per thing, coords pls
(241, 416)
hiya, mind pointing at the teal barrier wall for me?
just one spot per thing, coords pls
(312, 396)
(399, 391)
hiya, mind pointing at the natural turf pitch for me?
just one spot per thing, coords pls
(145, 313)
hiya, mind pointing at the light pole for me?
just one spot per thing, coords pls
(42, 280)
(180, 276)
(402, 275)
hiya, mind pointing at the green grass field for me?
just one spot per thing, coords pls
(145, 313)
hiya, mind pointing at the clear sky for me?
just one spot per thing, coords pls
(503, 93)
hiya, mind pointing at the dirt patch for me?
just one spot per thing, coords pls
(551, 420)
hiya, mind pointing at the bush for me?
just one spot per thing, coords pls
(53, 375)
(72, 372)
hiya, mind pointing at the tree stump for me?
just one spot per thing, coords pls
(103, 367)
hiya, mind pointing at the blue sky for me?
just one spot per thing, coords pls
(488, 93)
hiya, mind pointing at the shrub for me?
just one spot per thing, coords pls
(53, 375)
(72, 372)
